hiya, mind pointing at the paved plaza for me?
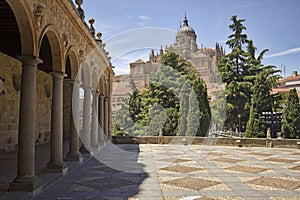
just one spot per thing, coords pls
(173, 172)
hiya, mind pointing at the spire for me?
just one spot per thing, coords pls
(185, 21)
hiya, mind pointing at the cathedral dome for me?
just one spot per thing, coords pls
(186, 30)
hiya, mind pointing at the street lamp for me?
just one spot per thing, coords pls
(239, 116)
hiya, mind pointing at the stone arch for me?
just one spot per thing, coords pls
(96, 78)
(74, 62)
(51, 35)
(25, 27)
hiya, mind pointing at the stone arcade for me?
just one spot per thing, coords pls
(43, 44)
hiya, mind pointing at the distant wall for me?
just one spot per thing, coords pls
(245, 142)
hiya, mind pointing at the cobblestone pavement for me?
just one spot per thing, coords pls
(178, 172)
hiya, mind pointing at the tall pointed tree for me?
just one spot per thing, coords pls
(233, 69)
(291, 116)
(184, 108)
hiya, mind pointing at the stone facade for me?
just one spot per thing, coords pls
(203, 59)
(47, 53)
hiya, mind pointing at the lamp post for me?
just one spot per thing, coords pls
(239, 116)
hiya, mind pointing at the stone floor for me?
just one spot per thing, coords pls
(178, 172)
(8, 164)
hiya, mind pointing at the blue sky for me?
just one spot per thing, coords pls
(271, 24)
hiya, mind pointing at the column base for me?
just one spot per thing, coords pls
(26, 184)
(76, 156)
(84, 150)
(95, 146)
(56, 168)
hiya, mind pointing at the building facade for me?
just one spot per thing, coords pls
(288, 83)
(49, 59)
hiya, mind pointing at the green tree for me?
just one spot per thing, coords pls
(122, 121)
(240, 69)
(233, 69)
(156, 101)
(203, 105)
(184, 108)
(193, 115)
(218, 109)
(261, 94)
(291, 116)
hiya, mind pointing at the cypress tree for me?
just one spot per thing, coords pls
(291, 116)
(193, 115)
(184, 108)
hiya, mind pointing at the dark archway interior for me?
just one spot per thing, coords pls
(10, 42)
(68, 68)
(46, 56)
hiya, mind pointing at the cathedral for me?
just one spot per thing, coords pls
(203, 59)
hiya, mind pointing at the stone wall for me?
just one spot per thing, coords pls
(43, 107)
(10, 73)
(244, 142)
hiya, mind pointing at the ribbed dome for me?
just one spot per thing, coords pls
(186, 30)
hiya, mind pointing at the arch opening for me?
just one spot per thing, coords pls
(10, 41)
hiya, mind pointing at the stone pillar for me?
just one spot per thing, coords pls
(101, 119)
(56, 163)
(74, 154)
(109, 118)
(94, 134)
(86, 129)
(106, 117)
(26, 180)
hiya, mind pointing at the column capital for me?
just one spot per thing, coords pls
(86, 88)
(73, 82)
(58, 75)
(96, 92)
(30, 60)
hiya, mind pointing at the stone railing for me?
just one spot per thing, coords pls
(242, 142)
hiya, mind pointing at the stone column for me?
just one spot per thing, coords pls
(56, 163)
(26, 180)
(106, 116)
(101, 119)
(86, 129)
(94, 134)
(74, 154)
(109, 118)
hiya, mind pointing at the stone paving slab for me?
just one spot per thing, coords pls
(146, 171)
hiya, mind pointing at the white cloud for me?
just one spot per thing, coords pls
(144, 19)
(286, 52)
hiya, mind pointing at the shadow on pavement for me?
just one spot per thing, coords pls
(113, 173)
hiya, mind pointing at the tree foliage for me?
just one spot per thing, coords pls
(242, 72)
(291, 116)
(174, 103)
